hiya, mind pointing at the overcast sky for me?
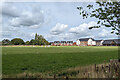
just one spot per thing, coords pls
(53, 20)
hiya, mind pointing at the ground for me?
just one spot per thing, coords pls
(52, 60)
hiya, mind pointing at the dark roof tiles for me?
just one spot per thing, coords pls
(85, 39)
(69, 41)
(63, 41)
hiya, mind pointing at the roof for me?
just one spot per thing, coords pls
(108, 41)
(69, 41)
(117, 41)
(85, 39)
(56, 41)
(63, 41)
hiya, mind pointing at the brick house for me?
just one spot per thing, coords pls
(74, 44)
(69, 43)
(56, 43)
(63, 43)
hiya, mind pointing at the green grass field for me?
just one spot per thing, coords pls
(16, 60)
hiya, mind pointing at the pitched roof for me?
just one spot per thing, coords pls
(69, 41)
(117, 41)
(56, 41)
(63, 41)
(108, 41)
(85, 39)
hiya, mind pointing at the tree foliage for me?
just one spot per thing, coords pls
(27, 42)
(17, 41)
(39, 40)
(107, 13)
(6, 42)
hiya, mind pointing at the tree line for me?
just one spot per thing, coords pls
(38, 40)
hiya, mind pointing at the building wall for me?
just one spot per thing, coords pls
(90, 42)
(101, 43)
(69, 44)
(93, 43)
(83, 43)
(78, 43)
(63, 44)
(74, 44)
(98, 43)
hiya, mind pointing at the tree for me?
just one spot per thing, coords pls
(17, 41)
(36, 36)
(39, 40)
(107, 13)
(32, 42)
(27, 42)
(5, 42)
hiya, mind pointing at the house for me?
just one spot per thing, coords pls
(74, 44)
(69, 43)
(63, 43)
(108, 43)
(51, 43)
(99, 42)
(86, 42)
(112, 42)
(117, 41)
(56, 43)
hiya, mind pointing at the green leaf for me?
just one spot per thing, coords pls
(98, 22)
(93, 11)
(84, 15)
(107, 25)
(117, 33)
(112, 31)
(90, 27)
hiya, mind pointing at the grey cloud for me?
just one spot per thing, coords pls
(29, 19)
(10, 11)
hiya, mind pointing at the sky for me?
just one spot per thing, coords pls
(53, 20)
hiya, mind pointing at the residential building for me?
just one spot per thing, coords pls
(63, 43)
(86, 42)
(56, 43)
(69, 43)
(112, 42)
(99, 42)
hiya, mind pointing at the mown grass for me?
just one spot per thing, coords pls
(50, 60)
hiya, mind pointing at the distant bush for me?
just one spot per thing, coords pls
(6, 42)
(17, 41)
